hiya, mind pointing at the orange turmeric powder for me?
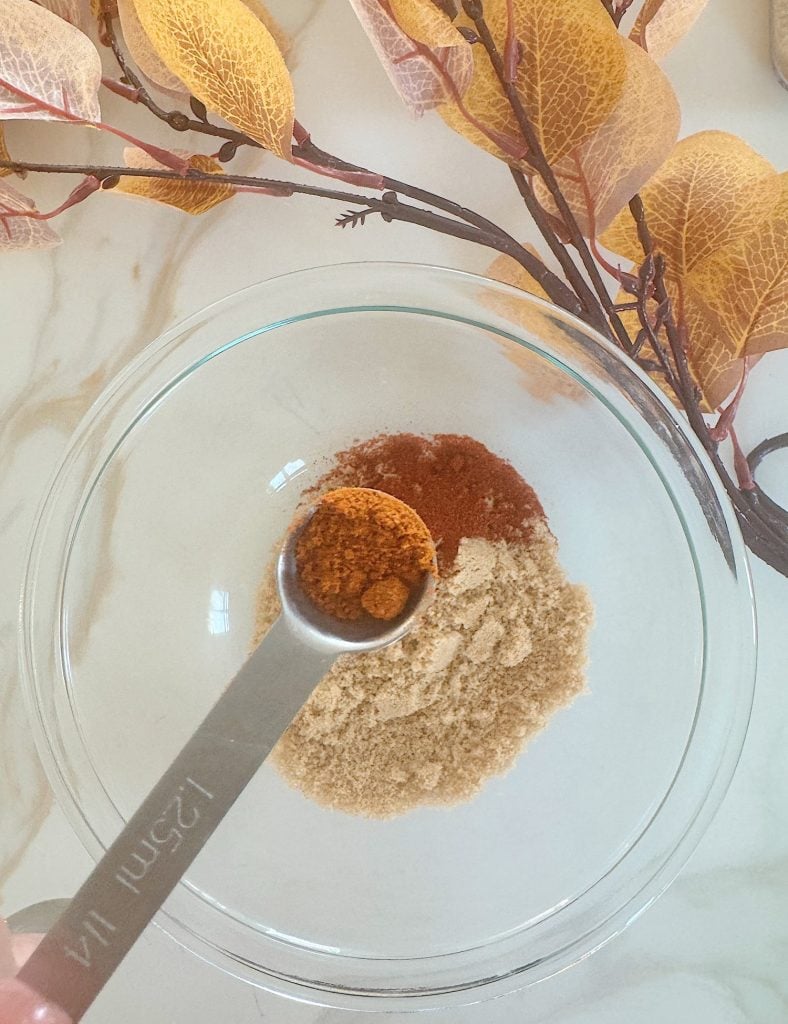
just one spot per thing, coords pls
(362, 551)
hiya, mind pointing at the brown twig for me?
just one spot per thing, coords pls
(537, 158)
(724, 424)
(593, 308)
(389, 206)
(175, 119)
(763, 529)
(316, 158)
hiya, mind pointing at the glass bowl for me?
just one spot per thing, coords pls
(139, 600)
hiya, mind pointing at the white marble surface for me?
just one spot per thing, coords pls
(715, 947)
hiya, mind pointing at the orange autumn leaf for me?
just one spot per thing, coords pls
(711, 189)
(569, 78)
(742, 290)
(229, 60)
(193, 197)
(663, 23)
(601, 175)
(425, 57)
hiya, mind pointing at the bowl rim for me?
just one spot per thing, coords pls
(333, 993)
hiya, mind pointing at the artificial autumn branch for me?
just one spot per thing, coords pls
(581, 114)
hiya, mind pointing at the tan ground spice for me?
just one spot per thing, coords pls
(428, 720)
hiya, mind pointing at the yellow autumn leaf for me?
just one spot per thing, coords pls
(711, 189)
(4, 154)
(601, 175)
(193, 197)
(228, 59)
(743, 291)
(422, 21)
(150, 63)
(715, 369)
(569, 78)
(661, 24)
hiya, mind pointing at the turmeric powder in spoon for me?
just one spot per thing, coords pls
(363, 551)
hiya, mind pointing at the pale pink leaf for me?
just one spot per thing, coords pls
(48, 68)
(424, 76)
(601, 175)
(21, 232)
(663, 23)
(73, 11)
(143, 54)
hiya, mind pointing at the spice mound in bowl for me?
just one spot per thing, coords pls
(501, 649)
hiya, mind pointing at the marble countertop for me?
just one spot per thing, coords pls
(715, 947)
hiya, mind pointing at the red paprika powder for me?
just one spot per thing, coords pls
(457, 486)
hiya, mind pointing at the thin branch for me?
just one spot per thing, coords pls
(594, 310)
(740, 464)
(35, 103)
(310, 155)
(79, 194)
(551, 283)
(617, 10)
(762, 527)
(474, 10)
(389, 206)
(176, 119)
(610, 8)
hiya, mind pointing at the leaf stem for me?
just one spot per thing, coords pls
(722, 427)
(164, 156)
(79, 194)
(573, 274)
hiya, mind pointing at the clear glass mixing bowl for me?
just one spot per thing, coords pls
(139, 601)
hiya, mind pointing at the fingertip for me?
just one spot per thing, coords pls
(19, 1004)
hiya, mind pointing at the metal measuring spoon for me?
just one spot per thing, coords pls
(126, 888)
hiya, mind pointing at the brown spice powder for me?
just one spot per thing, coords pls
(458, 487)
